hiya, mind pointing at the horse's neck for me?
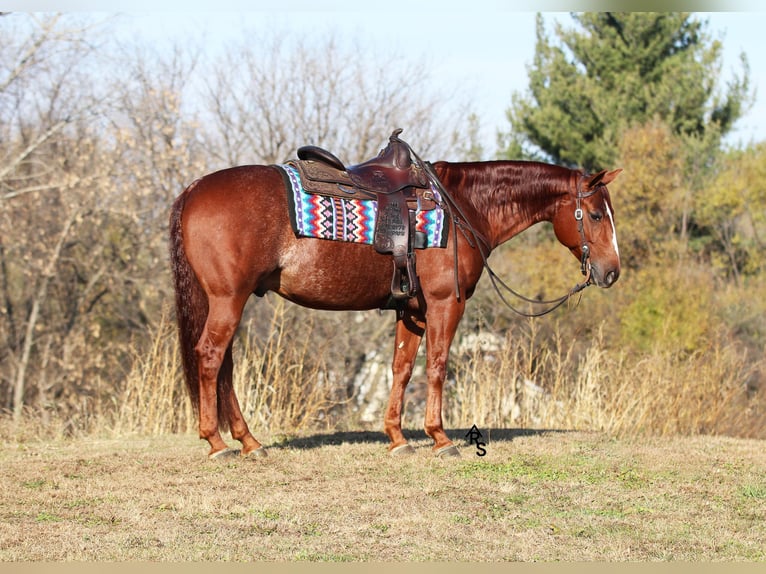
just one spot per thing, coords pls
(509, 197)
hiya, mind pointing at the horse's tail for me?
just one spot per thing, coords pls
(191, 301)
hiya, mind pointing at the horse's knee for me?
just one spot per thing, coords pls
(403, 365)
(436, 373)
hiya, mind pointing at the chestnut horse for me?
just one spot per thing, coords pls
(230, 236)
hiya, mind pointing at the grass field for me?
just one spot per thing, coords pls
(542, 496)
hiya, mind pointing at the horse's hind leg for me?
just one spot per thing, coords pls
(230, 408)
(215, 373)
(409, 332)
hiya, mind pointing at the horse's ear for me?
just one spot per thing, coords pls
(604, 177)
(609, 177)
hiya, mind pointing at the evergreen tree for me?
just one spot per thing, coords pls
(617, 70)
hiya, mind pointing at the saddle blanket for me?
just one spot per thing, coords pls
(351, 220)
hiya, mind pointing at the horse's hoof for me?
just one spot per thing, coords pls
(259, 452)
(224, 454)
(450, 451)
(405, 449)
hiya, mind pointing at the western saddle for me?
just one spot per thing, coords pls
(398, 184)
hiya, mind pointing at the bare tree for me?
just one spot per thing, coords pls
(269, 95)
(159, 139)
(53, 165)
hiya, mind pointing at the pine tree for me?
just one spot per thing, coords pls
(617, 70)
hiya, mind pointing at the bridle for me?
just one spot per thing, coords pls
(578, 214)
(475, 239)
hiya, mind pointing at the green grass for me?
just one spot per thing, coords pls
(755, 492)
(528, 469)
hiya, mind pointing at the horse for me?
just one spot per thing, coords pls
(231, 237)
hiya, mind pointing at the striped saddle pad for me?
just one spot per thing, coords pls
(351, 220)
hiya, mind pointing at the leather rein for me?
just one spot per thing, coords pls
(475, 239)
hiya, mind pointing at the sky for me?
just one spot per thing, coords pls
(483, 47)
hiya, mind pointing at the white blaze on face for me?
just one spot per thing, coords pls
(614, 231)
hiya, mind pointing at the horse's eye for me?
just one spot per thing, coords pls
(596, 215)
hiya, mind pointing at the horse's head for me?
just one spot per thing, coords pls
(584, 222)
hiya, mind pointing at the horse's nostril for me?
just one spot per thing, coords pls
(611, 277)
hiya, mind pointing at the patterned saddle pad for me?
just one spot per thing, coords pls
(351, 220)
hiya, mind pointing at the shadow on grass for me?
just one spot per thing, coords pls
(458, 436)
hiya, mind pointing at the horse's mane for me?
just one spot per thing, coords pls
(492, 185)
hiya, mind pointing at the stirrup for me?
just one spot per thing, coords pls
(405, 283)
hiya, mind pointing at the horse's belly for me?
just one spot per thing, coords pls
(325, 274)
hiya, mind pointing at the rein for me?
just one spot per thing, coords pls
(475, 239)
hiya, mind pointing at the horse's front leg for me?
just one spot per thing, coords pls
(439, 336)
(409, 332)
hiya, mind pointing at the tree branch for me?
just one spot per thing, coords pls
(25, 153)
(34, 314)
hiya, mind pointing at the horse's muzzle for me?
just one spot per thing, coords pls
(604, 280)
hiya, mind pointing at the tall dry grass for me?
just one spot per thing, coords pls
(285, 385)
(153, 400)
(281, 381)
(534, 383)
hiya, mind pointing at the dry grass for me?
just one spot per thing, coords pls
(556, 496)
(153, 400)
(622, 493)
(531, 383)
(282, 383)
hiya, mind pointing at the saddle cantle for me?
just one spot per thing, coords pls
(399, 185)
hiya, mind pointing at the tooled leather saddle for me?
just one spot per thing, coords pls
(399, 185)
